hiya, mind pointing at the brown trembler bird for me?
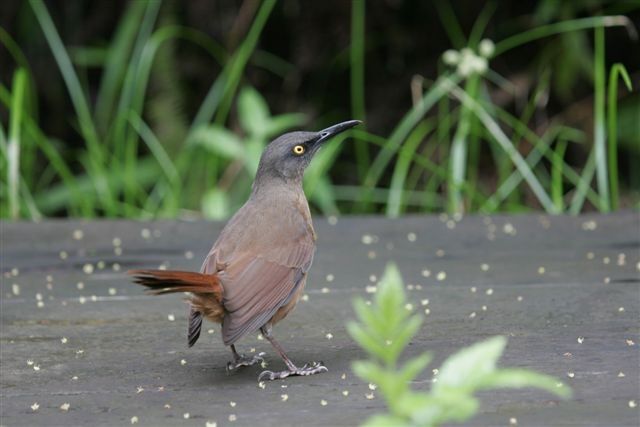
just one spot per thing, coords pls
(256, 270)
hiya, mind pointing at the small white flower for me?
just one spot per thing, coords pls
(451, 57)
(486, 48)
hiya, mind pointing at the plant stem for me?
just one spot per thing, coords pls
(599, 143)
(357, 80)
(612, 127)
(15, 125)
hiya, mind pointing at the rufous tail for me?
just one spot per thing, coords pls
(159, 282)
(206, 289)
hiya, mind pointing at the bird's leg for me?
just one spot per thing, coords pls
(240, 360)
(292, 369)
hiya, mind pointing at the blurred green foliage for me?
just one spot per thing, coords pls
(473, 139)
(385, 328)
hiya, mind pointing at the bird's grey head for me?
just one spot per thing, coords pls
(287, 156)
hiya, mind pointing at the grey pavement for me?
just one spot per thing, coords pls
(81, 345)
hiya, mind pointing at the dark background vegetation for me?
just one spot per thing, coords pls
(302, 65)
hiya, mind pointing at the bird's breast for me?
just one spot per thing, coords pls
(262, 225)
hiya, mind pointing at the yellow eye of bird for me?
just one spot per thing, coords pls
(298, 150)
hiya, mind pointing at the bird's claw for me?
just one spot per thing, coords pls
(243, 360)
(308, 369)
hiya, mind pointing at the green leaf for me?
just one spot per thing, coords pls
(372, 345)
(386, 421)
(253, 112)
(520, 378)
(367, 370)
(414, 366)
(215, 204)
(385, 329)
(255, 146)
(470, 365)
(398, 341)
(369, 317)
(220, 141)
(446, 406)
(390, 296)
(324, 196)
(283, 122)
(390, 385)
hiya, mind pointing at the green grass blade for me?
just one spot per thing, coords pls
(401, 169)
(21, 60)
(154, 145)
(357, 81)
(126, 139)
(510, 184)
(494, 129)
(480, 24)
(77, 204)
(413, 198)
(116, 64)
(198, 38)
(25, 192)
(87, 126)
(272, 63)
(599, 143)
(617, 70)
(15, 126)
(540, 147)
(583, 186)
(400, 133)
(563, 27)
(458, 159)
(70, 77)
(58, 196)
(172, 198)
(240, 58)
(557, 191)
(450, 23)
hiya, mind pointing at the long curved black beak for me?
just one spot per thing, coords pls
(332, 131)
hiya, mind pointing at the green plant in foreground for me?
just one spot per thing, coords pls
(384, 330)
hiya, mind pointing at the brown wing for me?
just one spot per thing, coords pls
(256, 287)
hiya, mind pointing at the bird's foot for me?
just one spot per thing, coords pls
(244, 360)
(308, 369)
